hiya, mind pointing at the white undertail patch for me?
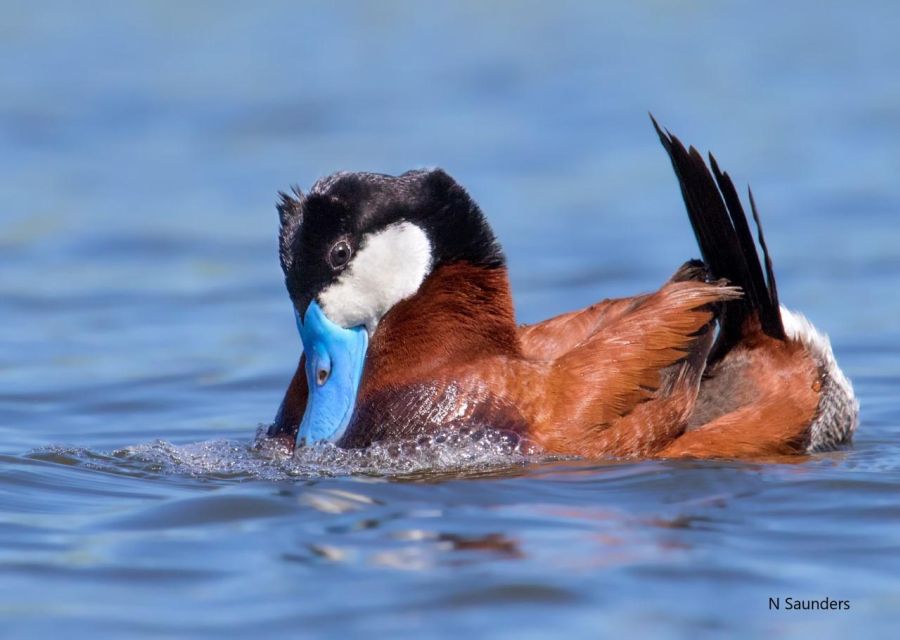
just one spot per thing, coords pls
(388, 267)
(837, 415)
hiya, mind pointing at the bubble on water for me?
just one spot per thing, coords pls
(463, 451)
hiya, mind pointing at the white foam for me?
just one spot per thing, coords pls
(464, 451)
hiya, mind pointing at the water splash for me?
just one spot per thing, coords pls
(463, 452)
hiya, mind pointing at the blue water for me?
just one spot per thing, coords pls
(146, 333)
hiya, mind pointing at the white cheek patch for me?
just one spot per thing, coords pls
(388, 267)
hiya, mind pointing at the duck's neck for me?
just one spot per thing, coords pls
(461, 311)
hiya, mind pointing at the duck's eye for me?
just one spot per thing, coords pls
(339, 254)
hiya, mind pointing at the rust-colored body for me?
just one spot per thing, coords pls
(708, 366)
(624, 377)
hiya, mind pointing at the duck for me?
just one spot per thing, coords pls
(402, 300)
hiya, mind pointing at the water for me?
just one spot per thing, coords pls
(147, 335)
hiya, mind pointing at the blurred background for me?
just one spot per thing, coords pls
(142, 145)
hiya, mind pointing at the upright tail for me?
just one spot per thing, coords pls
(726, 244)
(772, 389)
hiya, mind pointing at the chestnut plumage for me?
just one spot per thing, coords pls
(710, 365)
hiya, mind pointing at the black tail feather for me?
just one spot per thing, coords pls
(726, 243)
(770, 274)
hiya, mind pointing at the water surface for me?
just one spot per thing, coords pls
(147, 334)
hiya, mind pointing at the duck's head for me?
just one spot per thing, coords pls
(352, 248)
